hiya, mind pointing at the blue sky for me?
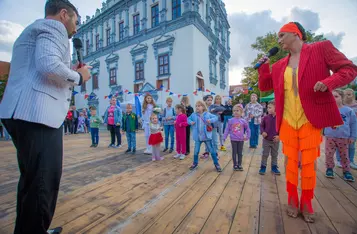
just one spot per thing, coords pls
(248, 19)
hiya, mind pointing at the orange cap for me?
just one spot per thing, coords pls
(291, 28)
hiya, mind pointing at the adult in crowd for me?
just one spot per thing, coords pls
(350, 101)
(253, 113)
(227, 113)
(75, 116)
(302, 84)
(33, 109)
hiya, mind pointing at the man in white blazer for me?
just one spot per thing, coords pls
(33, 108)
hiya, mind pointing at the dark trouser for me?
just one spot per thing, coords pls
(237, 152)
(254, 133)
(188, 128)
(39, 155)
(95, 135)
(115, 131)
(270, 147)
(74, 126)
(67, 126)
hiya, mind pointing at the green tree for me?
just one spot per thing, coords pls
(263, 44)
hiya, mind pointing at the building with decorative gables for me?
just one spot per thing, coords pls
(138, 46)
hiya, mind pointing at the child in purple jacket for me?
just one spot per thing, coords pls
(239, 132)
(270, 140)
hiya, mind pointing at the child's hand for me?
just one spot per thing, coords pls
(276, 139)
(118, 124)
(350, 141)
(264, 134)
(208, 121)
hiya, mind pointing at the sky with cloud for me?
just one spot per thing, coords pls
(248, 20)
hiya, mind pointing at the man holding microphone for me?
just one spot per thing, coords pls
(33, 108)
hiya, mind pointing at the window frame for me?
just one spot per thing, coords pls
(163, 65)
(114, 82)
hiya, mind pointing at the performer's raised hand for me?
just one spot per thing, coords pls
(262, 59)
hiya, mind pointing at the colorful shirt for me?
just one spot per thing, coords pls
(293, 112)
(269, 126)
(237, 129)
(256, 110)
(111, 115)
(95, 121)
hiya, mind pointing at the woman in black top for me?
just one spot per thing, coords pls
(227, 114)
(189, 110)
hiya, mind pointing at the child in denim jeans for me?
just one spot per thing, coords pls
(130, 126)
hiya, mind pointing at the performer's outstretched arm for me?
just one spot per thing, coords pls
(265, 82)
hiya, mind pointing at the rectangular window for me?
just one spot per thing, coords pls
(96, 42)
(87, 47)
(176, 9)
(155, 16)
(136, 23)
(139, 71)
(121, 31)
(164, 65)
(137, 87)
(164, 82)
(95, 81)
(200, 83)
(113, 76)
(83, 87)
(108, 36)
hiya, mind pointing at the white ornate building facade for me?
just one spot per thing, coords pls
(143, 45)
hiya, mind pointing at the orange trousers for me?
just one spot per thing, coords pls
(306, 143)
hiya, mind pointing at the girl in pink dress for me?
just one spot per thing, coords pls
(180, 128)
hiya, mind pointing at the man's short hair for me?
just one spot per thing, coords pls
(53, 7)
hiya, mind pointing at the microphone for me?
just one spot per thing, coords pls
(77, 43)
(273, 51)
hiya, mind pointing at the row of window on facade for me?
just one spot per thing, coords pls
(163, 70)
(176, 12)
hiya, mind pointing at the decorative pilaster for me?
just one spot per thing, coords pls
(187, 5)
(228, 42)
(91, 40)
(196, 4)
(144, 14)
(112, 35)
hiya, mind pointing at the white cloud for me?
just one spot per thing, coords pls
(336, 39)
(9, 32)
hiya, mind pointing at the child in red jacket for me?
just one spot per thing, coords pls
(180, 128)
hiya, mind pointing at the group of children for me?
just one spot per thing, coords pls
(206, 124)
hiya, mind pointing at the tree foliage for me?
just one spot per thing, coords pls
(263, 44)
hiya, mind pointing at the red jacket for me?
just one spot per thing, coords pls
(316, 61)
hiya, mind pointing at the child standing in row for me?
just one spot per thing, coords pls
(148, 109)
(95, 121)
(155, 137)
(130, 126)
(113, 118)
(168, 119)
(201, 122)
(340, 137)
(180, 127)
(270, 140)
(239, 132)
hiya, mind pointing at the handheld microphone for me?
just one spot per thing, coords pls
(77, 43)
(273, 51)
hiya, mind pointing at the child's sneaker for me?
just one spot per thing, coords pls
(329, 173)
(111, 146)
(235, 167)
(262, 170)
(338, 164)
(153, 158)
(240, 168)
(275, 170)
(218, 168)
(92, 145)
(177, 155)
(95, 146)
(127, 151)
(118, 146)
(193, 166)
(165, 150)
(353, 166)
(170, 151)
(134, 151)
(182, 157)
(348, 176)
(223, 148)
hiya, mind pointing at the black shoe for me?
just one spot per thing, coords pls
(235, 167)
(187, 153)
(92, 145)
(218, 168)
(240, 168)
(170, 151)
(193, 166)
(56, 230)
(134, 151)
(165, 150)
(128, 150)
(95, 146)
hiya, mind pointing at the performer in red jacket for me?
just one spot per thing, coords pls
(302, 84)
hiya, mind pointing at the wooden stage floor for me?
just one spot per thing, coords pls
(106, 191)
